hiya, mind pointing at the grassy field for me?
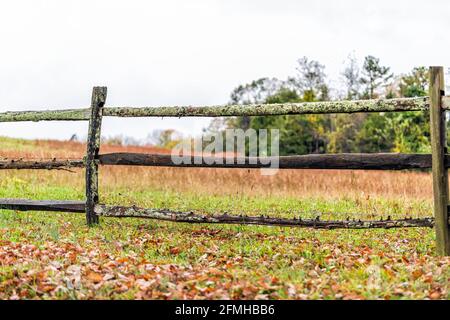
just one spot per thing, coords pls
(54, 255)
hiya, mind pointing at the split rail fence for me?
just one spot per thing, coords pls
(439, 161)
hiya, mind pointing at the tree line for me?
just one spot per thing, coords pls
(336, 133)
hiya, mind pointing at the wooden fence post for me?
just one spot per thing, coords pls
(438, 150)
(93, 147)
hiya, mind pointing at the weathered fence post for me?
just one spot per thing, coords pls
(438, 150)
(93, 147)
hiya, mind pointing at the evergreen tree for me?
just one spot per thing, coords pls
(374, 76)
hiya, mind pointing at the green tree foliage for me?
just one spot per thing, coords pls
(337, 133)
(345, 127)
(299, 134)
(415, 84)
(399, 131)
(256, 91)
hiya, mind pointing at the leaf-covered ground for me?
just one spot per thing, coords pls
(54, 255)
(57, 257)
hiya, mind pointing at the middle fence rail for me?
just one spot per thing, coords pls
(94, 114)
(343, 161)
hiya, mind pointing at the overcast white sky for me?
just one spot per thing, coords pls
(192, 52)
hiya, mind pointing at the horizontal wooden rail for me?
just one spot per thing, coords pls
(374, 105)
(42, 205)
(367, 161)
(353, 161)
(40, 164)
(46, 115)
(190, 217)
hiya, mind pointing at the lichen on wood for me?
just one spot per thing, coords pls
(190, 217)
(93, 147)
(321, 107)
(438, 133)
(46, 115)
(374, 105)
(446, 102)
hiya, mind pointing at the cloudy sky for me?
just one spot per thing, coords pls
(192, 52)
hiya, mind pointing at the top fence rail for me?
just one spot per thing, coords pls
(374, 105)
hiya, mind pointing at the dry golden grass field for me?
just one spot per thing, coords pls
(54, 255)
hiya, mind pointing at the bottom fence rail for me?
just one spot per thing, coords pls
(191, 217)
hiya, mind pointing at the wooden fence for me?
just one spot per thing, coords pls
(437, 103)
